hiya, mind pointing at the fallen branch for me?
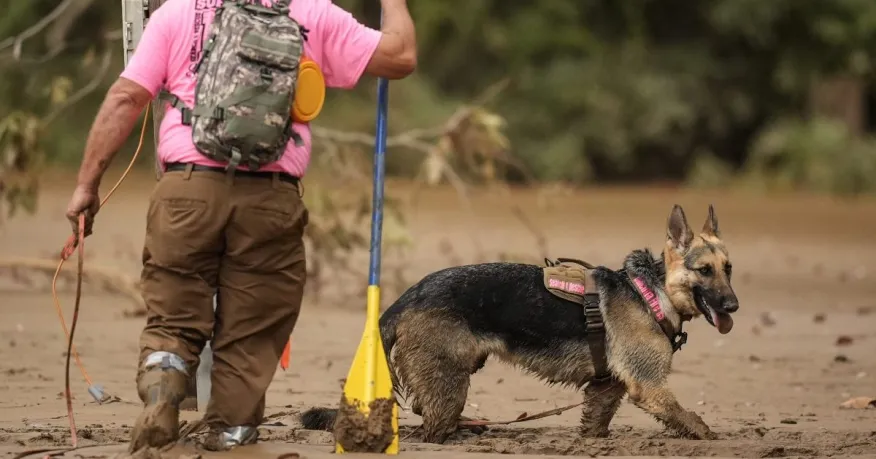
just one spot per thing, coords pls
(522, 418)
(106, 279)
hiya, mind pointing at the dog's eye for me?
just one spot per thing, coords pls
(728, 269)
(705, 270)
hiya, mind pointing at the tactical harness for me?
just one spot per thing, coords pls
(572, 280)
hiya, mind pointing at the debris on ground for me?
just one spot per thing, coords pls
(859, 403)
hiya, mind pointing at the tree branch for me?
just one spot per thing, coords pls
(17, 41)
(83, 91)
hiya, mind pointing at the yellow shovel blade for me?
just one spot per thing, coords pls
(369, 374)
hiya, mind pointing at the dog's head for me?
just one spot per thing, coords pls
(698, 271)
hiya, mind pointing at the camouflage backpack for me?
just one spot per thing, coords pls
(246, 84)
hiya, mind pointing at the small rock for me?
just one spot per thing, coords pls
(819, 318)
(844, 340)
(861, 375)
(761, 431)
(701, 402)
(754, 358)
(840, 358)
(500, 380)
(788, 421)
(864, 310)
(767, 319)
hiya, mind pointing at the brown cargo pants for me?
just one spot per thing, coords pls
(239, 237)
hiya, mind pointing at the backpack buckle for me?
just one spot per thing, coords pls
(186, 116)
(266, 74)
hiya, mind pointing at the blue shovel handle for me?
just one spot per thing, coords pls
(377, 193)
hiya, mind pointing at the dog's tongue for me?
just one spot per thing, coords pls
(723, 322)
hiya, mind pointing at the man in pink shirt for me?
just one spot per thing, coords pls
(237, 236)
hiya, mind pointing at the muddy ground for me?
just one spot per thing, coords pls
(805, 273)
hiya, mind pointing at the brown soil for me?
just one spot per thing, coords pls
(358, 433)
(805, 274)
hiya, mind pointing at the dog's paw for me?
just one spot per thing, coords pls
(700, 433)
(477, 430)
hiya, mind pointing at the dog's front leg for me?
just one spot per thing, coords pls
(601, 402)
(661, 403)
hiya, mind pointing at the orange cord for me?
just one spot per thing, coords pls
(68, 394)
(74, 241)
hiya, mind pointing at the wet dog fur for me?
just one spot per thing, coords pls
(443, 329)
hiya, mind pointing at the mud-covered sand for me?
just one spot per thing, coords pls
(804, 339)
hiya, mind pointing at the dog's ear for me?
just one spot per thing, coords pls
(710, 228)
(678, 232)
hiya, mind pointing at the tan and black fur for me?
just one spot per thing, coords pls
(443, 329)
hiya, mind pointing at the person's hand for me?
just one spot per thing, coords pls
(84, 200)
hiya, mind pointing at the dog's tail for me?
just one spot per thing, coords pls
(318, 418)
(388, 326)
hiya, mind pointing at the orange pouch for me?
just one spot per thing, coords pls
(309, 92)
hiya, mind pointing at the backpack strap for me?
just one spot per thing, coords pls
(178, 104)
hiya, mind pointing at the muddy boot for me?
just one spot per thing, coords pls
(226, 439)
(161, 382)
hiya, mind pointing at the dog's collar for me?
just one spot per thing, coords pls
(676, 339)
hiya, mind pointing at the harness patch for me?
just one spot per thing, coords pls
(569, 281)
(566, 286)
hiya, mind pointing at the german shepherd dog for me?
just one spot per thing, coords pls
(443, 328)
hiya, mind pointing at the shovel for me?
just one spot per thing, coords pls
(369, 379)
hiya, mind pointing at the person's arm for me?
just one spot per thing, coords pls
(129, 95)
(396, 53)
(124, 102)
(138, 84)
(348, 48)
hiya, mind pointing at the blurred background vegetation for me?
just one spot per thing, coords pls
(773, 94)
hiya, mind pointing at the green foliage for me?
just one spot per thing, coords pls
(819, 155)
(20, 160)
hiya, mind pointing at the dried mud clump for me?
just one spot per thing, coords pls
(357, 433)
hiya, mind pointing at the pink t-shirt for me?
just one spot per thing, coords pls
(172, 44)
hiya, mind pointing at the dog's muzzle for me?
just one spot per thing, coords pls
(716, 309)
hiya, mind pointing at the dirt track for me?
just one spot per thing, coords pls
(771, 388)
